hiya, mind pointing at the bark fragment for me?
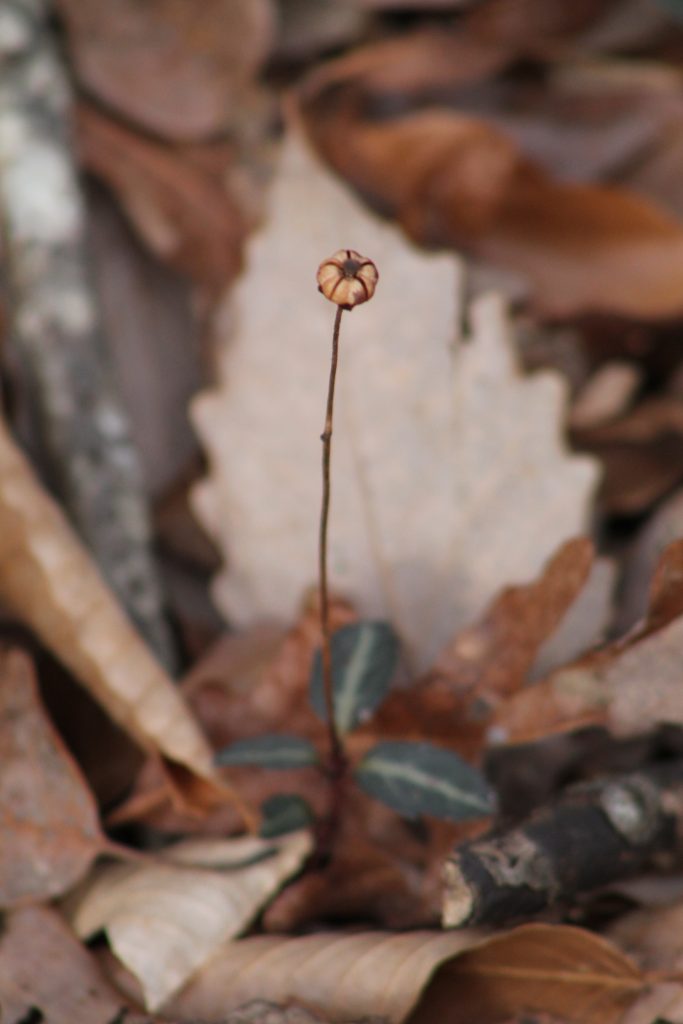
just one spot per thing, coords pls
(56, 334)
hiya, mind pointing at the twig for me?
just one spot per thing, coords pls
(597, 833)
(56, 336)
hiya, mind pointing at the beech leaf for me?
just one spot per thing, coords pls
(276, 751)
(566, 972)
(50, 582)
(422, 976)
(164, 920)
(364, 656)
(450, 476)
(419, 778)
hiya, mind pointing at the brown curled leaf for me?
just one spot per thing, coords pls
(457, 181)
(50, 583)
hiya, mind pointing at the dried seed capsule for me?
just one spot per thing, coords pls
(347, 278)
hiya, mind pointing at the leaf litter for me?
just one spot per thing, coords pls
(498, 137)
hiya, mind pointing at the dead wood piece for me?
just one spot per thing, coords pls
(594, 835)
(56, 335)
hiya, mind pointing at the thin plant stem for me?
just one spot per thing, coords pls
(337, 756)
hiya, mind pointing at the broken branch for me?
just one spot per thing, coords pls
(596, 833)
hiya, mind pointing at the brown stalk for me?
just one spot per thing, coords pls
(347, 279)
(337, 756)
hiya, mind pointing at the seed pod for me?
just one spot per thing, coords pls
(347, 278)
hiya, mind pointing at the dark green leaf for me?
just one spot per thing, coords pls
(276, 751)
(418, 778)
(284, 812)
(364, 657)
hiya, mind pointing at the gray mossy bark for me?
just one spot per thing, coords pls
(56, 332)
(596, 834)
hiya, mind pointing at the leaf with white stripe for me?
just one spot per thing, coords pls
(364, 657)
(270, 751)
(418, 778)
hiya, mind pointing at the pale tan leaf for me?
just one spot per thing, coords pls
(50, 582)
(423, 977)
(336, 975)
(48, 818)
(451, 479)
(165, 920)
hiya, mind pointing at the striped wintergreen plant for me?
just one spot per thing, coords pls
(353, 670)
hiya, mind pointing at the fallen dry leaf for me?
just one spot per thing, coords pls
(258, 1011)
(165, 920)
(46, 974)
(339, 976)
(489, 660)
(248, 684)
(608, 393)
(307, 28)
(565, 971)
(185, 214)
(660, 530)
(48, 818)
(177, 70)
(455, 180)
(585, 624)
(641, 453)
(653, 936)
(630, 686)
(492, 658)
(422, 977)
(660, 1004)
(419, 412)
(52, 585)
(533, 23)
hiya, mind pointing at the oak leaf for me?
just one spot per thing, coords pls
(630, 686)
(451, 476)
